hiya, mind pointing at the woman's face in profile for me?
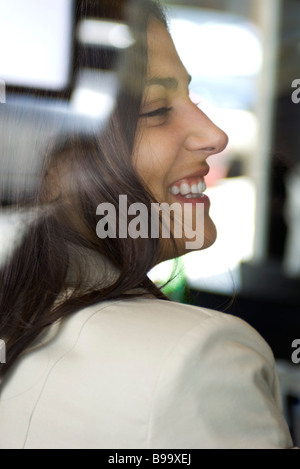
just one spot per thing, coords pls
(175, 138)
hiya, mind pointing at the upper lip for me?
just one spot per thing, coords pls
(202, 173)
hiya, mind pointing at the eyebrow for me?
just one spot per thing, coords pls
(169, 83)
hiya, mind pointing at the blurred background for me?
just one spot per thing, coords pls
(244, 56)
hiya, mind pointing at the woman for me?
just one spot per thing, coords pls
(96, 356)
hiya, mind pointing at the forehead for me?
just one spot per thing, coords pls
(163, 59)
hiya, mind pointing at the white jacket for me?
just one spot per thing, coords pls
(145, 373)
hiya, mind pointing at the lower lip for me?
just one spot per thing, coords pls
(197, 200)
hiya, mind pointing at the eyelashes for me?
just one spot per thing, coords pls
(165, 110)
(162, 111)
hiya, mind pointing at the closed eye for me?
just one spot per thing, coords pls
(157, 112)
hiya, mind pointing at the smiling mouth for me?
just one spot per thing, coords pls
(191, 188)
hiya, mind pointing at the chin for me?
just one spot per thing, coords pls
(178, 247)
(210, 235)
(169, 251)
(206, 239)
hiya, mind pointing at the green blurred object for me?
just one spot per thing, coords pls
(176, 288)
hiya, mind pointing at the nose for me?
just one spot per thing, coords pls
(203, 135)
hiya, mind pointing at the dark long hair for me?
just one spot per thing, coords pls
(79, 173)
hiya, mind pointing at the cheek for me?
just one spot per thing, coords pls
(154, 157)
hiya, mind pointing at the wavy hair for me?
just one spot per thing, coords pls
(79, 173)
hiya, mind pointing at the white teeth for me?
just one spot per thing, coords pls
(185, 189)
(193, 191)
(193, 196)
(202, 187)
(175, 190)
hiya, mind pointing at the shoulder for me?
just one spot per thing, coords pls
(149, 311)
(172, 375)
(171, 321)
(219, 380)
(143, 323)
(173, 339)
(156, 332)
(164, 335)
